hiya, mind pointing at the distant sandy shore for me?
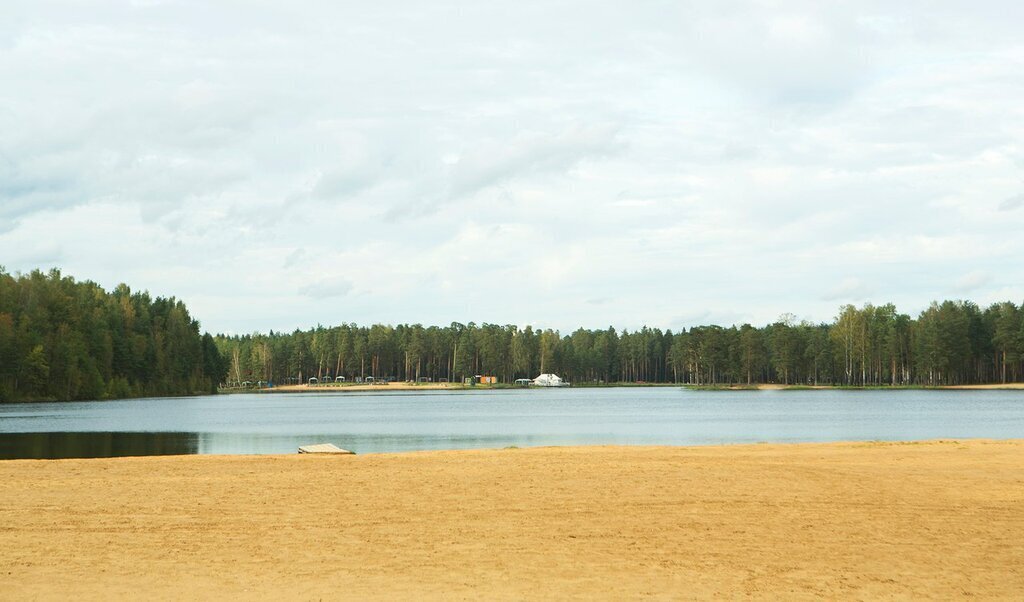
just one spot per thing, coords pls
(773, 387)
(1018, 386)
(405, 386)
(334, 388)
(853, 521)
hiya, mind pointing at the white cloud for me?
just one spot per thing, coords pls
(325, 286)
(849, 289)
(564, 164)
(1014, 202)
(971, 282)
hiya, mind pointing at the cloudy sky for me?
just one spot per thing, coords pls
(282, 164)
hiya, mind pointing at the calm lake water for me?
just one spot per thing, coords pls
(388, 422)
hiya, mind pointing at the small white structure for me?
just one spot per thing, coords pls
(339, 379)
(549, 380)
(323, 448)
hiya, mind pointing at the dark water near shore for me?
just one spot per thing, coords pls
(388, 422)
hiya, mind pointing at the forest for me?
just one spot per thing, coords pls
(949, 343)
(65, 340)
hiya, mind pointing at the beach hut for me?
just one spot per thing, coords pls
(339, 379)
(523, 382)
(314, 380)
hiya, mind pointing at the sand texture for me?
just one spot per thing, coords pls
(777, 387)
(855, 521)
(404, 386)
(342, 387)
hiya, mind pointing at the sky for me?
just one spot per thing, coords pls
(279, 165)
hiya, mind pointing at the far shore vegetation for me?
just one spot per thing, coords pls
(65, 340)
(951, 343)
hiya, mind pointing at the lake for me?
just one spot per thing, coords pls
(389, 422)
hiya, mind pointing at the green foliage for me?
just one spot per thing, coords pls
(950, 343)
(36, 371)
(63, 340)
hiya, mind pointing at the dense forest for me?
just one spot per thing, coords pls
(950, 343)
(63, 340)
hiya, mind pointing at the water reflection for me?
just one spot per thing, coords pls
(55, 445)
(361, 443)
(95, 445)
(392, 422)
(108, 445)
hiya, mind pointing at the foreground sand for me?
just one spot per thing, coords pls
(940, 519)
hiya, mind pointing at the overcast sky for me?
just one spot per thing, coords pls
(282, 164)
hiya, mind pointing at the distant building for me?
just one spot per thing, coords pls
(549, 380)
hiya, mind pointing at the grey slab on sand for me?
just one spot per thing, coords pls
(323, 448)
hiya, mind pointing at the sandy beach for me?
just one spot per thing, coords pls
(778, 387)
(1007, 386)
(341, 387)
(404, 386)
(851, 520)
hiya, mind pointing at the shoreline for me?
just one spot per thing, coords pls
(776, 387)
(412, 387)
(456, 451)
(415, 387)
(847, 520)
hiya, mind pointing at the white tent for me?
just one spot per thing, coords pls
(549, 380)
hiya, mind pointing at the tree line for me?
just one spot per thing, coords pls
(949, 343)
(66, 340)
(62, 340)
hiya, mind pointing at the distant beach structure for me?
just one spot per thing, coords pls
(549, 380)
